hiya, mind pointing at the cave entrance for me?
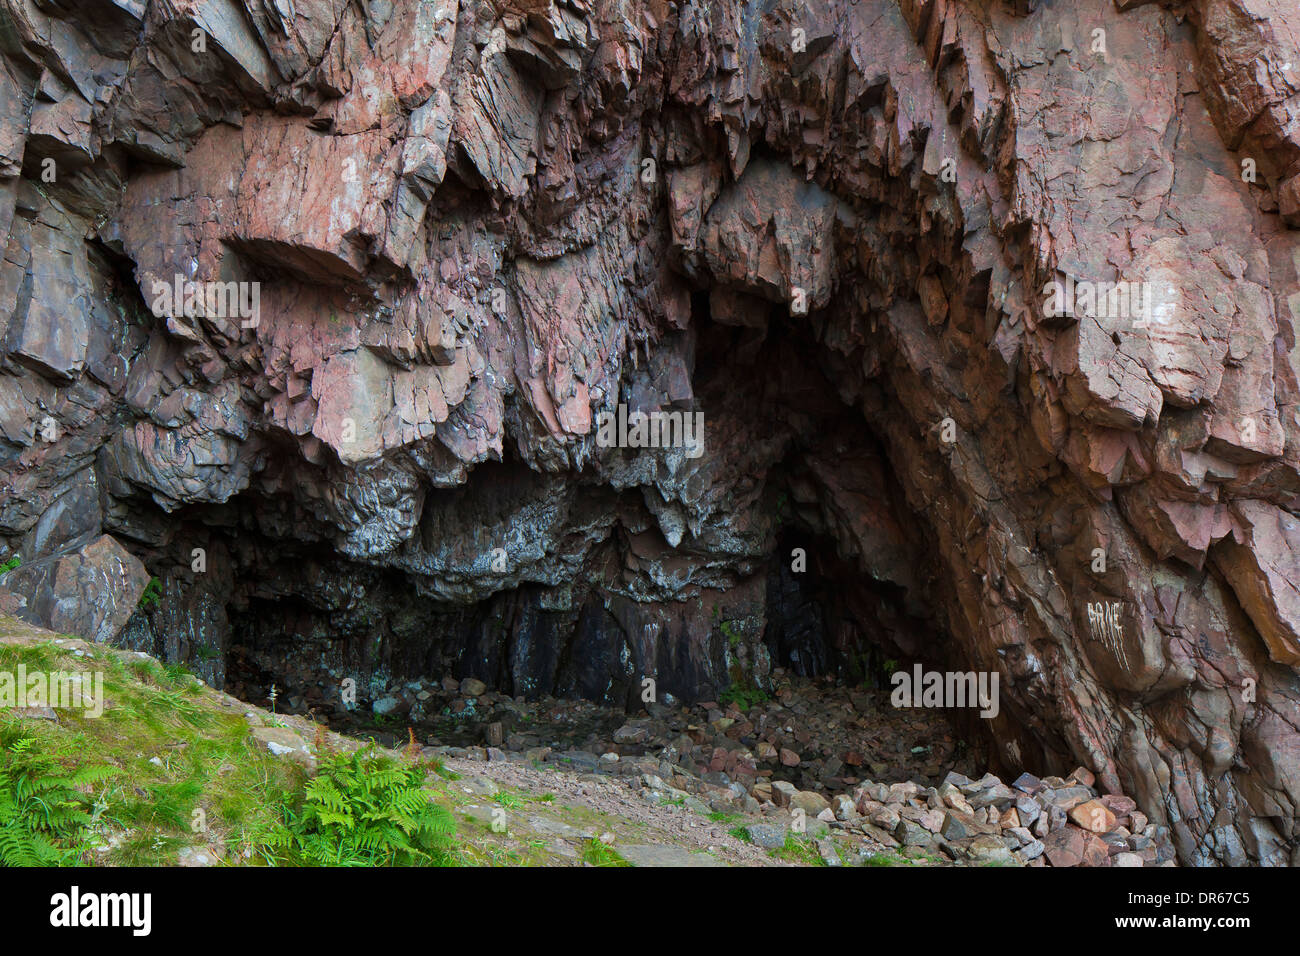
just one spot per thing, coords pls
(826, 578)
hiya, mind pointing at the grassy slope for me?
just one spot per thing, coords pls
(178, 748)
(192, 774)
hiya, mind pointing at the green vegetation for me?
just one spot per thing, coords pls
(367, 809)
(152, 594)
(741, 834)
(511, 801)
(799, 851)
(12, 563)
(45, 814)
(743, 697)
(183, 773)
(166, 767)
(598, 854)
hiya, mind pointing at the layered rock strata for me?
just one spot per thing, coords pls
(988, 309)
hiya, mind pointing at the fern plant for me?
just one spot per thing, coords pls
(365, 809)
(45, 818)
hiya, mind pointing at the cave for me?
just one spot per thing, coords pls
(867, 262)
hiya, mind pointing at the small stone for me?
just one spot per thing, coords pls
(1126, 859)
(1028, 810)
(842, 805)
(789, 758)
(1119, 804)
(770, 836)
(192, 856)
(901, 792)
(783, 792)
(988, 849)
(884, 817)
(1028, 783)
(1093, 816)
(1095, 851)
(472, 687)
(952, 797)
(912, 834)
(631, 733)
(932, 820)
(1031, 851)
(38, 712)
(1064, 848)
(826, 850)
(1066, 798)
(1083, 776)
(955, 827)
(809, 802)
(1022, 835)
(999, 795)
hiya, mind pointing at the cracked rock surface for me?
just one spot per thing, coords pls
(441, 240)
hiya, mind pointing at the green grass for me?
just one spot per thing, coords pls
(743, 697)
(598, 854)
(513, 801)
(798, 851)
(741, 834)
(207, 761)
(166, 767)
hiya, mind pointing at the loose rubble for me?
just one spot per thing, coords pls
(801, 764)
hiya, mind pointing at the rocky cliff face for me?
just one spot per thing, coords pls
(435, 241)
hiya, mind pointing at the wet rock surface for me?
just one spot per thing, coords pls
(473, 229)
